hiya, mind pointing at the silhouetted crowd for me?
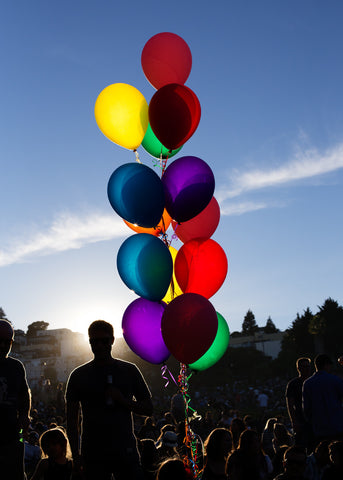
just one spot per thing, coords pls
(101, 425)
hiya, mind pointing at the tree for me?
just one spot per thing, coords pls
(327, 328)
(34, 327)
(270, 326)
(3, 314)
(249, 325)
(297, 342)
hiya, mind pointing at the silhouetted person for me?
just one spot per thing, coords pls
(294, 464)
(322, 401)
(108, 390)
(248, 462)
(217, 447)
(335, 469)
(56, 462)
(14, 407)
(294, 402)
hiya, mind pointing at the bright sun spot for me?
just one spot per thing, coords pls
(82, 317)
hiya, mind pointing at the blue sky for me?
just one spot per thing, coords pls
(269, 78)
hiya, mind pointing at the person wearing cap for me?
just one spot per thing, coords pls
(168, 447)
(15, 405)
(322, 401)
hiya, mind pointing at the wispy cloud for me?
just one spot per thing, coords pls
(240, 208)
(66, 232)
(305, 165)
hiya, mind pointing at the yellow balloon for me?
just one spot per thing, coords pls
(174, 290)
(121, 113)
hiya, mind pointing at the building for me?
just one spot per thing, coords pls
(50, 354)
(268, 343)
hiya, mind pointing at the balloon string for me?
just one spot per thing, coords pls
(165, 370)
(137, 157)
(164, 162)
(190, 438)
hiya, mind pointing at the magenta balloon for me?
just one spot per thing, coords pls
(142, 330)
(202, 226)
(188, 186)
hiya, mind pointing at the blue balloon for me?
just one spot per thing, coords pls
(136, 193)
(145, 265)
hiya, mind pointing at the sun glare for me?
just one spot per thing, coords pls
(81, 318)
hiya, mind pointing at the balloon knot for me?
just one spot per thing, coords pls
(137, 157)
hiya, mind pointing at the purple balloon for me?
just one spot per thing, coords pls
(142, 330)
(188, 186)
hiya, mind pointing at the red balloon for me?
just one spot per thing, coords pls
(189, 326)
(202, 225)
(166, 58)
(201, 267)
(174, 114)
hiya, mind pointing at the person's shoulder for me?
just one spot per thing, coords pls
(84, 368)
(125, 365)
(14, 363)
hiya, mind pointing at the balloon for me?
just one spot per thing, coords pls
(201, 267)
(166, 58)
(153, 146)
(136, 193)
(145, 265)
(160, 228)
(188, 185)
(174, 114)
(202, 225)
(142, 330)
(217, 349)
(121, 113)
(174, 290)
(189, 326)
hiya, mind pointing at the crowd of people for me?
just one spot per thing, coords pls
(105, 425)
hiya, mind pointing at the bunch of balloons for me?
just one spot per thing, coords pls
(173, 314)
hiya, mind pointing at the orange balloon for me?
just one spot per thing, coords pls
(162, 226)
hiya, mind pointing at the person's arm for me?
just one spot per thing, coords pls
(307, 403)
(142, 406)
(24, 405)
(73, 409)
(290, 402)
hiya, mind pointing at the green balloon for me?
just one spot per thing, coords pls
(216, 350)
(153, 146)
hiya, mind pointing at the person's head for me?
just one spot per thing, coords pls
(148, 452)
(336, 453)
(172, 469)
(294, 460)
(54, 443)
(281, 434)
(6, 338)
(33, 438)
(304, 367)
(249, 441)
(169, 439)
(321, 453)
(101, 338)
(323, 362)
(218, 444)
(270, 424)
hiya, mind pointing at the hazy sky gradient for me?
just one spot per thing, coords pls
(268, 76)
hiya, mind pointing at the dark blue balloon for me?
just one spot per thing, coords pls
(188, 185)
(145, 265)
(136, 193)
